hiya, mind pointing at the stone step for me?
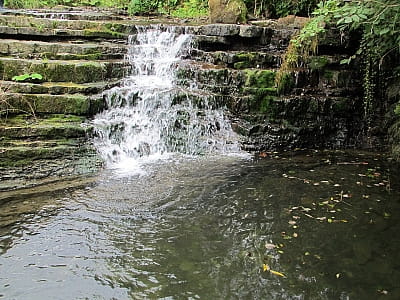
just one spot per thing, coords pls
(62, 50)
(240, 59)
(50, 26)
(62, 70)
(58, 88)
(205, 73)
(23, 152)
(49, 33)
(42, 127)
(68, 13)
(76, 104)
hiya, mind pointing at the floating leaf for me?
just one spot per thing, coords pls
(269, 246)
(267, 268)
(277, 273)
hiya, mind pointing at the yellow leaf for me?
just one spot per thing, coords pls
(277, 273)
(267, 268)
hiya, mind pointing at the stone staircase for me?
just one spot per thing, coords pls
(322, 106)
(78, 55)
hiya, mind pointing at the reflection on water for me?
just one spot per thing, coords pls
(203, 229)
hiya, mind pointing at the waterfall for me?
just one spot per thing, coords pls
(150, 115)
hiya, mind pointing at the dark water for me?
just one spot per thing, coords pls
(205, 228)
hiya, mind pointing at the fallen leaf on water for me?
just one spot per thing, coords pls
(277, 273)
(267, 268)
(269, 246)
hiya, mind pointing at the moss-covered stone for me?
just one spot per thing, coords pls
(260, 78)
(286, 83)
(60, 70)
(394, 140)
(52, 104)
(50, 127)
(17, 153)
(318, 62)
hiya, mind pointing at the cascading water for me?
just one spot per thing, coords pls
(149, 115)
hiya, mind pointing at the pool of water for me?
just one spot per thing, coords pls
(305, 225)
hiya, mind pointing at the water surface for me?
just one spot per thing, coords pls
(206, 227)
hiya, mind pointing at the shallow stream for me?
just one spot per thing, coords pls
(315, 225)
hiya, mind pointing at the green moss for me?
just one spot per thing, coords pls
(104, 33)
(70, 56)
(286, 83)
(318, 62)
(260, 78)
(397, 109)
(43, 103)
(341, 106)
(329, 75)
(240, 65)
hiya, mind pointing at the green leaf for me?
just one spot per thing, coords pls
(22, 77)
(384, 31)
(356, 18)
(36, 76)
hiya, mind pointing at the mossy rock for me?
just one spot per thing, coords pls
(62, 71)
(22, 152)
(50, 127)
(259, 78)
(318, 62)
(52, 104)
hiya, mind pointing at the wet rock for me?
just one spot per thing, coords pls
(250, 31)
(220, 29)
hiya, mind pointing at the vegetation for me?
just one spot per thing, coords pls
(51, 3)
(276, 9)
(378, 21)
(179, 8)
(34, 77)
